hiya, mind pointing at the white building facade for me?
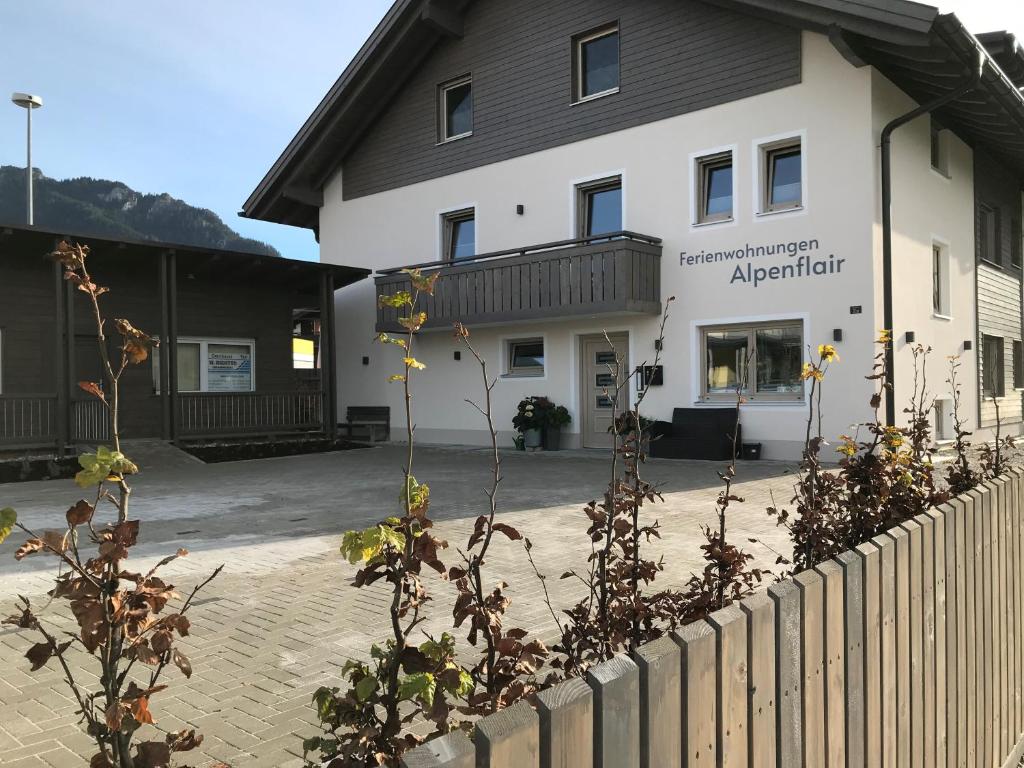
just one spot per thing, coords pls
(705, 151)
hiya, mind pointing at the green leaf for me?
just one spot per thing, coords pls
(366, 687)
(8, 517)
(324, 700)
(420, 685)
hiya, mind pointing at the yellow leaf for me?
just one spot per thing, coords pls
(412, 362)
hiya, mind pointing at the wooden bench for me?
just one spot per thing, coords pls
(371, 417)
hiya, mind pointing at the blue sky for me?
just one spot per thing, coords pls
(197, 98)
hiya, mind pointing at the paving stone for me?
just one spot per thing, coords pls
(282, 619)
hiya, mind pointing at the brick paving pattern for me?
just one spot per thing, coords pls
(282, 620)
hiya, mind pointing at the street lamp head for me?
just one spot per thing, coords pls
(27, 100)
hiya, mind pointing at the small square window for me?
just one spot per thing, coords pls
(526, 357)
(596, 63)
(459, 234)
(714, 188)
(599, 208)
(455, 108)
(939, 148)
(993, 376)
(782, 176)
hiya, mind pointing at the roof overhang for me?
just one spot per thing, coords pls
(921, 51)
(235, 267)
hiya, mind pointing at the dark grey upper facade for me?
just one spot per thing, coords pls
(378, 122)
(676, 56)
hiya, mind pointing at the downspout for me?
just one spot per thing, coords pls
(967, 86)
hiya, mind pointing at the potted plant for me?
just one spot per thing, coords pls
(555, 417)
(528, 421)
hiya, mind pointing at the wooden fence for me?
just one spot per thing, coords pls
(907, 652)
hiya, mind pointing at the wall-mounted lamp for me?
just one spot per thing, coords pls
(366, 360)
(458, 354)
(968, 345)
(520, 209)
(837, 334)
(657, 345)
(910, 337)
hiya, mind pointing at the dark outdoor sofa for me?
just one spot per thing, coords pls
(696, 433)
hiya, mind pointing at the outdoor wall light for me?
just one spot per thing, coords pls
(366, 360)
(458, 354)
(910, 337)
(837, 334)
(657, 345)
(520, 209)
(968, 345)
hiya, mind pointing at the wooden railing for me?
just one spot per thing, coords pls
(614, 273)
(28, 419)
(90, 421)
(238, 413)
(907, 651)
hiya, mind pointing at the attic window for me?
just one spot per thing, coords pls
(455, 108)
(596, 63)
(940, 148)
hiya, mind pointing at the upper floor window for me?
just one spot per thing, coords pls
(989, 234)
(1015, 243)
(456, 109)
(596, 63)
(714, 188)
(599, 207)
(939, 148)
(459, 234)
(781, 176)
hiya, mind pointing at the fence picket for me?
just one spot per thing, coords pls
(566, 713)
(761, 650)
(699, 664)
(730, 626)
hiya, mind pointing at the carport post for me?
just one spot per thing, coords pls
(328, 372)
(171, 350)
(60, 358)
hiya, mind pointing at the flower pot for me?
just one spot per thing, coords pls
(532, 438)
(552, 438)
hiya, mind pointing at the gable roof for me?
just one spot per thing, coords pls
(921, 51)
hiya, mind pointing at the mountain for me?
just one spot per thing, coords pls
(111, 209)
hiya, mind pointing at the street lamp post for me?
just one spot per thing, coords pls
(28, 102)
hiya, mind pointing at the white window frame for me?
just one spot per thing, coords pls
(442, 108)
(761, 150)
(509, 371)
(750, 392)
(578, 42)
(698, 162)
(204, 343)
(945, 311)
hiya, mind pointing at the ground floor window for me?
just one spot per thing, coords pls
(993, 375)
(525, 357)
(211, 365)
(763, 360)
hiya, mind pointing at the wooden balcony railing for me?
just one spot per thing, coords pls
(28, 419)
(211, 414)
(615, 273)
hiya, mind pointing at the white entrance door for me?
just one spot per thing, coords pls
(599, 384)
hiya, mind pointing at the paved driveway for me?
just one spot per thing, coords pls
(282, 619)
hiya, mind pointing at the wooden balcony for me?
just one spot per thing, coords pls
(617, 273)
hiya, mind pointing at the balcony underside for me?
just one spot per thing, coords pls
(559, 280)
